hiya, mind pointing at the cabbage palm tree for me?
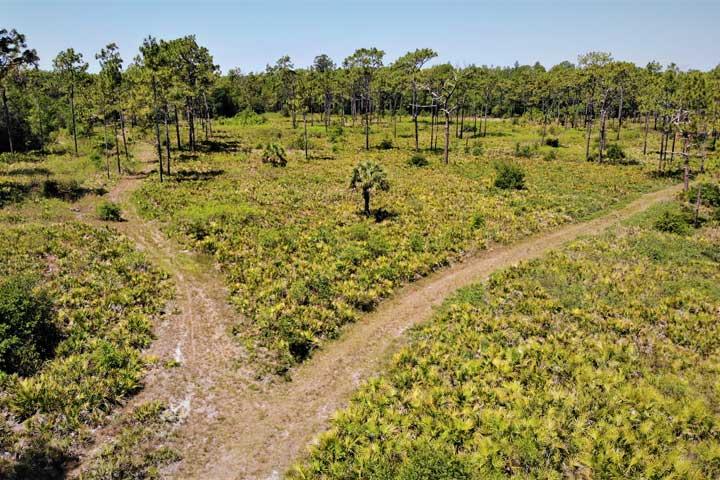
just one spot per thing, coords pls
(368, 176)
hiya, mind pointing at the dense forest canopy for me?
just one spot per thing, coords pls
(173, 81)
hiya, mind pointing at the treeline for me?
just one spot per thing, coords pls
(175, 82)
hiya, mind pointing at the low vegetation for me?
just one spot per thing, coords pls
(79, 303)
(301, 256)
(597, 361)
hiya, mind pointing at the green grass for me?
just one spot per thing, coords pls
(300, 259)
(596, 361)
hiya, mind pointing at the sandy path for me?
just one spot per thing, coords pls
(263, 432)
(236, 427)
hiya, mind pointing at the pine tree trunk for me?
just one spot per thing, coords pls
(167, 138)
(105, 145)
(306, 135)
(587, 140)
(7, 121)
(122, 127)
(117, 146)
(177, 129)
(157, 129)
(366, 200)
(72, 110)
(447, 137)
(647, 124)
(620, 115)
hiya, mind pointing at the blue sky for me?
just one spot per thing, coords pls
(251, 34)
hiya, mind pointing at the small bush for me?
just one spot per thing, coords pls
(675, 221)
(385, 144)
(709, 194)
(525, 151)
(477, 221)
(28, 334)
(615, 152)
(274, 154)
(336, 132)
(109, 211)
(249, 117)
(509, 176)
(552, 142)
(476, 150)
(549, 156)
(418, 161)
(299, 143)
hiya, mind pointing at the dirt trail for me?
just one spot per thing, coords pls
(195, 332)
(237, 428)
(263, 432)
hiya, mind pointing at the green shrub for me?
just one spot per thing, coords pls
(674, 221)
(28, 334)
(476, 150)
(509, 176)
(551, 155)
(433, 462)
(274, 154)
(335, 133)
(615, 152)
(525, 151)
(418, 160)
(385, 144)
(109, 211)
(298, 143)
(709, 194)
(552, 142)
(477, 221)
(249, 117)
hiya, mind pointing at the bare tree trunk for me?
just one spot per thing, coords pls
(117, 146)
(122, 128)
(432, 127)
(603, 115)
(672, 153)
(698, 201)
(191, 125)
(105, 145)
(72, 110)
(485, 115)
(686, 173)
(587, 140)
(447, 137)
(157, 128)
(366, 201)
(208, 121)
(6, 109)
(647, 123)
(306, 136)
(177, 128)
(620, 115)
(167, 138)
(415, 118)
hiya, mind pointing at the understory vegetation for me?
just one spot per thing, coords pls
(301, 257)
(76, 308)
(597, 361)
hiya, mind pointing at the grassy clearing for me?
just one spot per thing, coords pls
(597, 361)
(300, 258)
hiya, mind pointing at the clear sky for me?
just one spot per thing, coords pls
(250, 34)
